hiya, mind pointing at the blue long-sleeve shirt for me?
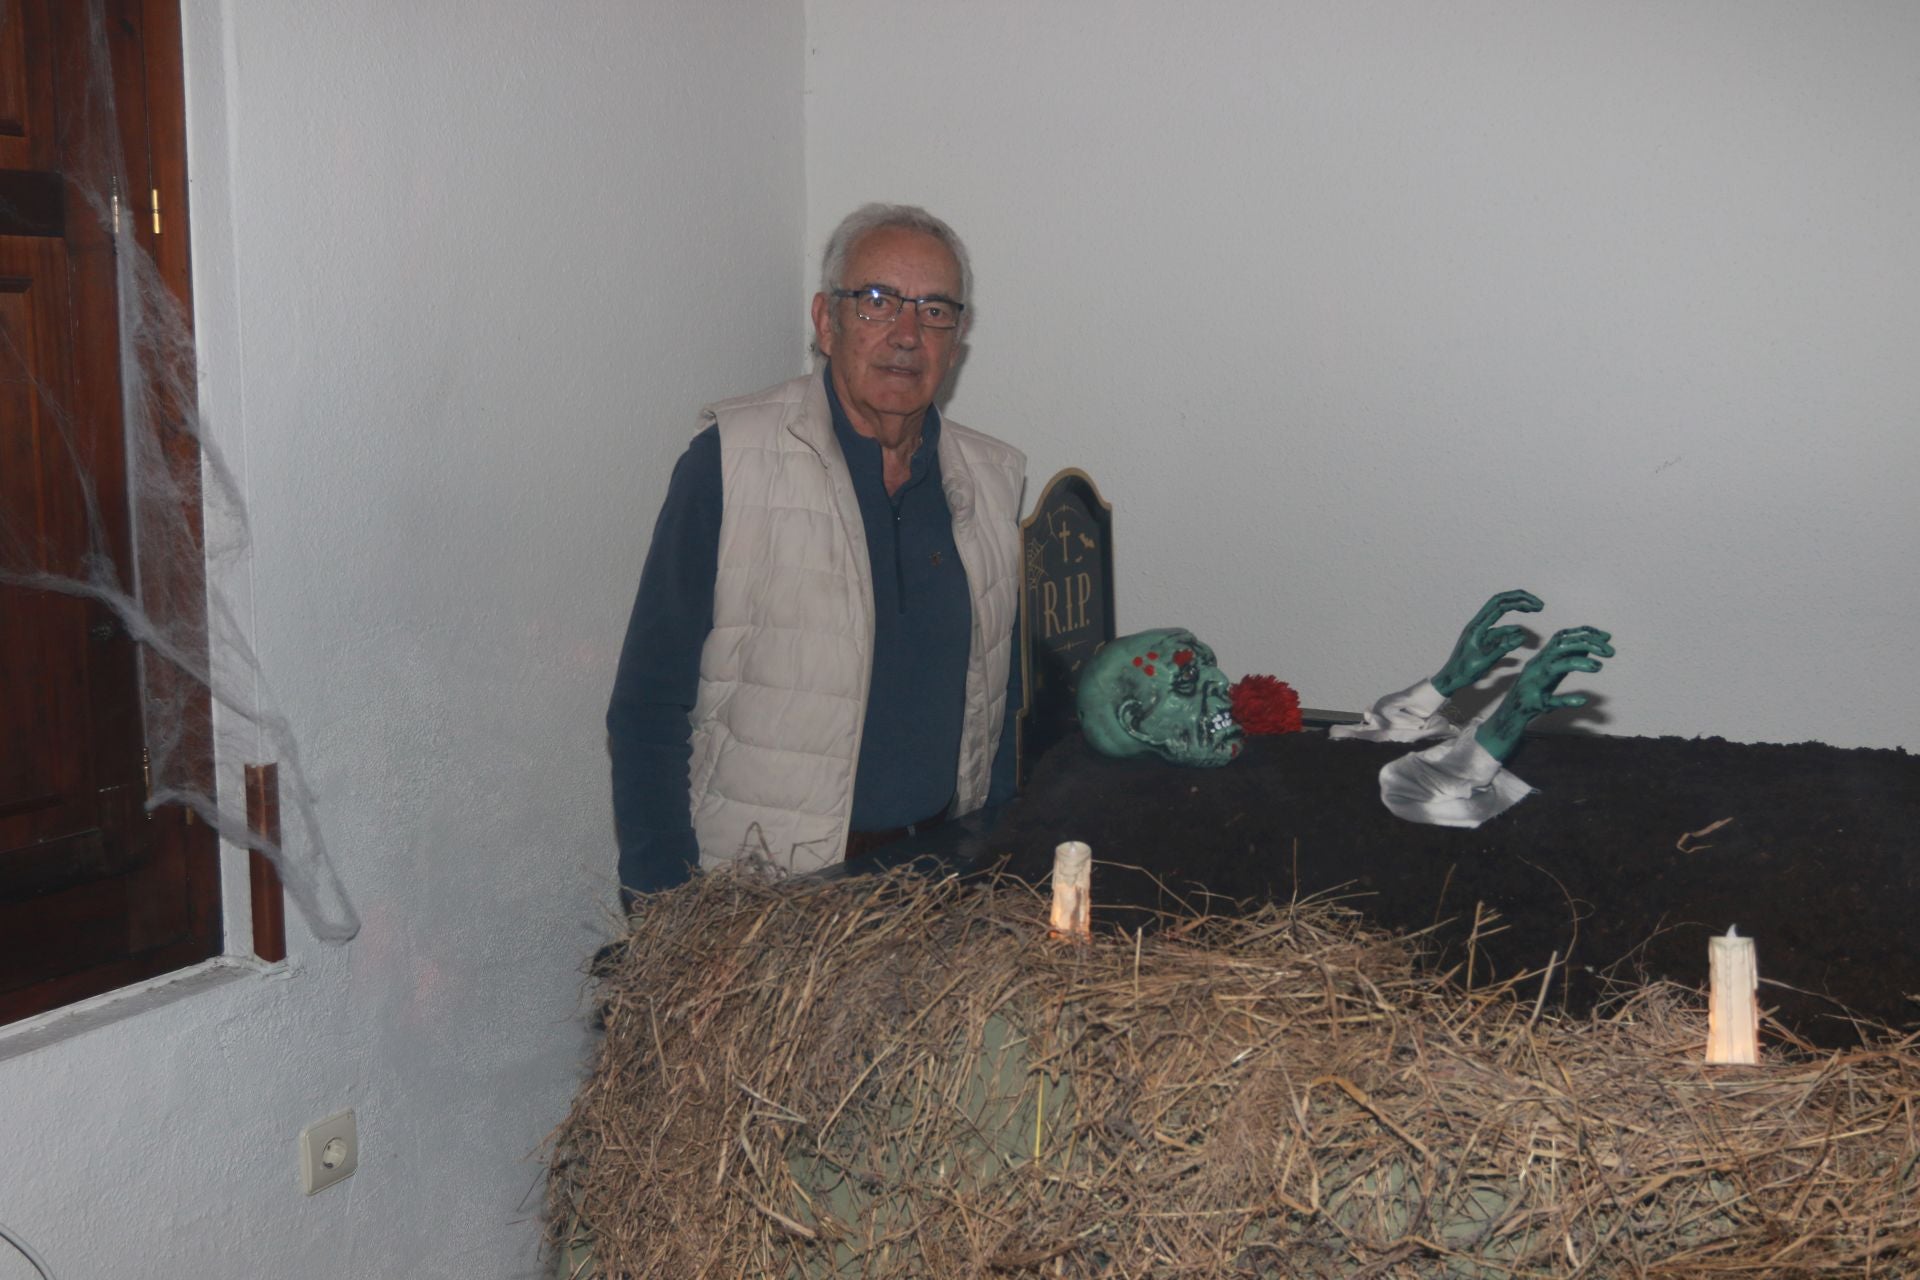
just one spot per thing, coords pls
(910, 742)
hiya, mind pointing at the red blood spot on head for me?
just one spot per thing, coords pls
(1136, 662)
(1152, 654)
(1181, 657)
(1149, 668)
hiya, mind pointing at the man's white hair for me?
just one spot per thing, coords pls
(875, 217)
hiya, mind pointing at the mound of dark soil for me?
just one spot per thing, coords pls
(1632, 852)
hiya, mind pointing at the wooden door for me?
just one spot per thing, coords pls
(94, 891)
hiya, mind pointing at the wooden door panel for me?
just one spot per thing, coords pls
(46, 756)
(60, 864)
(68, 675)
(26, 88)
(43, 715)
(61, 932)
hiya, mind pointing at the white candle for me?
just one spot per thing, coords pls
(1072, 890)
(1733, 1005)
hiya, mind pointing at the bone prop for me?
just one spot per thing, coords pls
(1072, 890)
(1733, 1005)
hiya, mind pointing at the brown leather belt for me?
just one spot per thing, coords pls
(862, 843)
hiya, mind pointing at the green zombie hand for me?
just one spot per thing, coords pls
(1482, 645)
(1533, 693)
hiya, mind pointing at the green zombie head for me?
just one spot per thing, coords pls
(1159, 693)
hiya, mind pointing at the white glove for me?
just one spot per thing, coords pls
(1454, 784)
(1406, 716)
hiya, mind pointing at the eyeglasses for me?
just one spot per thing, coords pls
(883, 306)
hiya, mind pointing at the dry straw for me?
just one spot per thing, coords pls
(898, 1077)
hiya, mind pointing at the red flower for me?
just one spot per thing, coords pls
(1263, 705)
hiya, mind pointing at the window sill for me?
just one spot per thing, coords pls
(57, 1025)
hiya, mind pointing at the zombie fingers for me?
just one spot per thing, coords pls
(1533, 692)
(1482, 645)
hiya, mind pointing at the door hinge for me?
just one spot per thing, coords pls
(146, 773)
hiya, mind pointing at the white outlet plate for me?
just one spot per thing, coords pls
(329, 1151)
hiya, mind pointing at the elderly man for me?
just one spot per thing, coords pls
(822, 655)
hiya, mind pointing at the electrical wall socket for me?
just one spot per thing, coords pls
(329, 1151)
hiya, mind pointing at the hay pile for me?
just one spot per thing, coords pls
(891, 1077)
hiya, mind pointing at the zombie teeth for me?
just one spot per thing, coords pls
(1218, 723)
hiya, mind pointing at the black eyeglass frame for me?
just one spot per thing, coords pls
(881, 291)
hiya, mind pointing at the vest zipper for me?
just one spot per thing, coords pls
(899, 569)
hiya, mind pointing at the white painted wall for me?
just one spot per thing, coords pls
(1360, 312)
(466, 273)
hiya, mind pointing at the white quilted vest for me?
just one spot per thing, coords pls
(784, 672)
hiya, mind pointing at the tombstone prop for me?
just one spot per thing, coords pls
(1068, 603)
